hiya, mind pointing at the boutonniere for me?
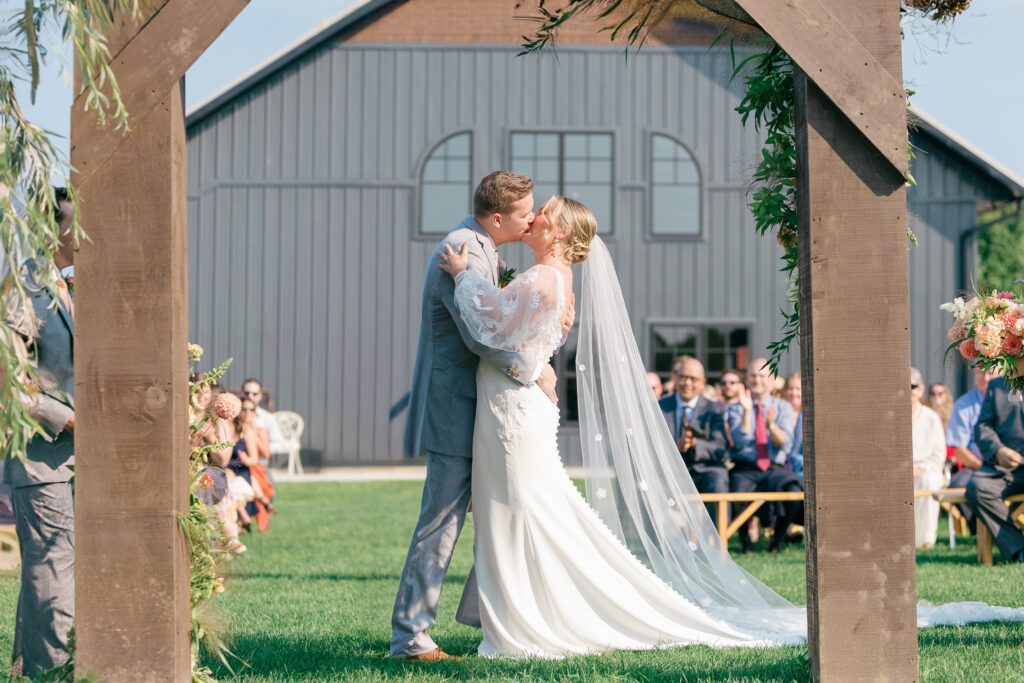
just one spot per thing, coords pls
(506, 277)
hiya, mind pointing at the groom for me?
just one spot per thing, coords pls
(442, 405)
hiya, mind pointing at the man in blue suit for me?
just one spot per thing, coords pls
(41, 482)
(698, 426)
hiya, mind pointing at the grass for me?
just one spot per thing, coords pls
(312, 602)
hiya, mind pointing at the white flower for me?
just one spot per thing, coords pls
(629, 430)
(642, 486)
(581, 367)
(693, 546)
(598, 437)
(743, 582)
(601, 494)
(622, 358)
(957, 307)
(671, 503)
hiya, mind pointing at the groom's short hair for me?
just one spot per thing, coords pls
(498, 191)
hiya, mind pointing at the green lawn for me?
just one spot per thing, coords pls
(312, 602)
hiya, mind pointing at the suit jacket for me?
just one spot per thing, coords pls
(707, 416)
(442, 401)
(1000, 423)
(49, 456)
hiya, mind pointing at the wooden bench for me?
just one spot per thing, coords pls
(952, 496)
(755, 500)
(947, 498)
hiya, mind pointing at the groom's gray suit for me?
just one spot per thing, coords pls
(442, 409)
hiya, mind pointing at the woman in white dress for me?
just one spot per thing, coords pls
(553, 579)
(641, 566)
(929, 443)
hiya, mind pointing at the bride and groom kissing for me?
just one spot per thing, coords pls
(636, 565)
(550, 579)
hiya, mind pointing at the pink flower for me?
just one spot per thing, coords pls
(227, 406)
(1006, 295)
(205, 481)
(968, 350)
(1013, 322)
(1012, 345)
(956, 333)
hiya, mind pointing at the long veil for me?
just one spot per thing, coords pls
(639, 485)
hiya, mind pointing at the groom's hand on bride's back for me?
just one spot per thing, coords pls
(546, 382)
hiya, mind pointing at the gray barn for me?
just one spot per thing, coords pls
(320, 182)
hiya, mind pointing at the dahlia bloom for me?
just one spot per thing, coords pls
(968, 350)
(227, 406)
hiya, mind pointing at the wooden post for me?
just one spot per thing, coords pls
(131, 377)
(855, 356)
(131, 365)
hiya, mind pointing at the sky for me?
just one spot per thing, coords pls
(967, 74)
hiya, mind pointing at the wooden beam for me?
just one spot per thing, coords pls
(855, 357)
(170, 37)
(843, 67)
(131, 384)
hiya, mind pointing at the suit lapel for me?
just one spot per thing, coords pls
(489, 250)
(65, 315)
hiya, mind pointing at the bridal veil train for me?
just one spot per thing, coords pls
(641, 489)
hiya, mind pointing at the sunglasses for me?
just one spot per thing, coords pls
(915, 386)
(248, 410)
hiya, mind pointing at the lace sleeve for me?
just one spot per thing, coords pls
(519, 317)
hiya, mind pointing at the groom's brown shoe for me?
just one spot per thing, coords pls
(435, 655)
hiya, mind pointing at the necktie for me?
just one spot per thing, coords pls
(761, 437)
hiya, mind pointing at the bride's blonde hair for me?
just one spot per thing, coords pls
(576, 221)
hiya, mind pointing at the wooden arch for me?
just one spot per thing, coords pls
(132, 578)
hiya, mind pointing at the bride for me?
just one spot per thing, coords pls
(642, 568)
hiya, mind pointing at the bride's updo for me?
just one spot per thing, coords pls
(576, 221)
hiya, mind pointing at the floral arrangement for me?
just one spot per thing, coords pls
(205, 536)
(989, 332)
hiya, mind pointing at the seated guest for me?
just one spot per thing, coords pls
(251, 444)
(654, 381)
(960, 437)
(1000, 437)
(698, 427)
(793, 393)
(762, 428)
(940, 401)
(265, 420)
(929, 459)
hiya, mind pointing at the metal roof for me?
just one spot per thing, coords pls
(998, 172)
(992, 168)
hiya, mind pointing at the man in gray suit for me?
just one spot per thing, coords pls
(1000, 436)
(42, 494)
(442, 405)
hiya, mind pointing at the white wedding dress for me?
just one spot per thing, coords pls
(644, 567)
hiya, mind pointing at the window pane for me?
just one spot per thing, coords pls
(444, 205)
(600, 171)
(522, 145)
(675, 210)
(575, 171)
(664, 172)
(433, 170)
(598, 199)
(458, 170)
(458, 145)
(546, 172)
(686, 171)
(662, 148)
(716, 338)
(525, 166)
(575, 146)
(600, 146)
(547, 146)
(716, 362)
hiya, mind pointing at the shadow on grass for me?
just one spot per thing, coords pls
(352, 658)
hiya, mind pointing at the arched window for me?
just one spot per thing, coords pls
(675, 189)
(445, 185)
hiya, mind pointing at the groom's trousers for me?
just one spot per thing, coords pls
(446, 494)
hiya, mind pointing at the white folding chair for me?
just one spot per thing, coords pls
(292, 424)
